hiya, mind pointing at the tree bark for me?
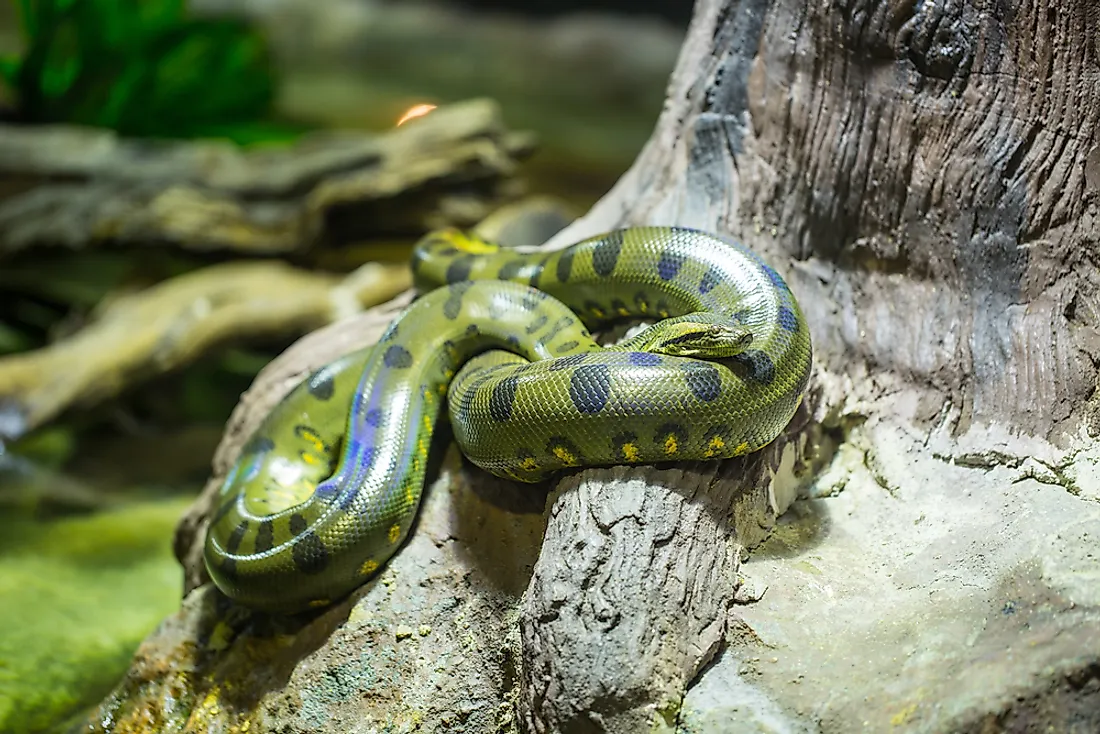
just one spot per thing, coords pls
(924, 176)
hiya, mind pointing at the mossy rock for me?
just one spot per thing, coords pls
(79, 594)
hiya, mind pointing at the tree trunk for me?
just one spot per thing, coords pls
(924, 175)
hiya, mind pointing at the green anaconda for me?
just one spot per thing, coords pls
(327, 489)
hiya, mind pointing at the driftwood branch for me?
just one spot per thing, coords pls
(163, 328)
(929, 204)
(82, 187)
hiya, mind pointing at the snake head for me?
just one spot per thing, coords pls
(703, 340)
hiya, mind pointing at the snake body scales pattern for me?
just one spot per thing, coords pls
(326, 490)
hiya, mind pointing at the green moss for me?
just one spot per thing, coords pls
(79, 594)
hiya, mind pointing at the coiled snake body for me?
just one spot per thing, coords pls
(327, 489)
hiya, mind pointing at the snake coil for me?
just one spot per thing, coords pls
(326, 490)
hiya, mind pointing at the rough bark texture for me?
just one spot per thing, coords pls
(922, 174)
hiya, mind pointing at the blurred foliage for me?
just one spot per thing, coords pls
(144, 69)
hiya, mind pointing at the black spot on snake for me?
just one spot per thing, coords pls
(310, 554)
(397, 357)
(452, 307)
(265, 536)
(565, 265)
(224, 510)
(562, 323)
(761, 368)
(532, 300)
(327, 491)
(787, 319)
(536, 273)
(500, 402)
(564, 363)
(258, 445)
(473, 330)
(669, 264)
(233, 542)
(774, 277)
(590, 387)
(740, 317)
(229, 568)
(704, 380)
(510, 269)
(372, 417)
(321, 384)
(710, 279)
(537, 324)
(606, 254)
(567, 346)
(512, 340)
(647, 359)
(297, 524)
(619, 307)
(466, 400)
(641, 302)
(460, 268)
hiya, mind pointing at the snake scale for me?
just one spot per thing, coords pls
(327, 489)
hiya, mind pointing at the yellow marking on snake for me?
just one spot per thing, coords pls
(715, 446)
(733, 356)
(565, 456)
(473, 245)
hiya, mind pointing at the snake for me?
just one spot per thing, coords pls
(500, 343)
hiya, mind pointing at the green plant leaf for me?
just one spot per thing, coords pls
(144, 69)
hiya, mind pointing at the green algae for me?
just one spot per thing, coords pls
(79, 594)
